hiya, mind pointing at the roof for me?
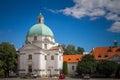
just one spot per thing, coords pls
(72, 58)
(104, 53)
(40, 29)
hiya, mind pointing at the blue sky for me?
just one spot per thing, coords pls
(84, 23)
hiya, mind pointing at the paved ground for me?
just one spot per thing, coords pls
(52, 79)
(29, 79)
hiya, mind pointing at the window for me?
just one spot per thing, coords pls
(30, 57)
(29, 68)
(45, 46)
(77, 59)
(106, 55)
(73, 67)
(118, 50)
(52, 57)
(99, 55)
(35, 38)
(69, 59)
(45, 57)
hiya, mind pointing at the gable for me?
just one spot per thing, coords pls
(115, 58)
(29, 47)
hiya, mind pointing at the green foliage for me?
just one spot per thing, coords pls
(87, 65)
(106, 67)
(65, 68)
(7, 56)
(80, 50)
(1, 69)
(117, 74)
(88, 57)
(70, 49)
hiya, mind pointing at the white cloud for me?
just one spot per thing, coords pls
(112, 16)
(92, 8)
(115, 27)
(110, 9)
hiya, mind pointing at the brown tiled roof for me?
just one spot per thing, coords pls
(104, 53)
(72, 58)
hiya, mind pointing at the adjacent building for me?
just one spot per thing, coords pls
(41, 54)
(72, 61)
(111, 53)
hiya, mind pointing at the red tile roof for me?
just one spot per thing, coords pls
(72, 58)
(104, 53)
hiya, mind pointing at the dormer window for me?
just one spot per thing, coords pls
(118, 50)
(106, 55)
(99, 56)
(69, 59)
(35, 38)
(77, 59)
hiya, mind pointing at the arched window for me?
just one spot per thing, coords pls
(52, 57)
(35, 38)
(30, 57)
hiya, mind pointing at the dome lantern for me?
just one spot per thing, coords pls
(41, 18)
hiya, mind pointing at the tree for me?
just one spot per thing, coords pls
(106, 67)
(87, 65)
(70, 49)
(7, 56)
(80, 50)
(117, 75)
(65, 68)
(64, 48)
(1, 69)
(88, 57)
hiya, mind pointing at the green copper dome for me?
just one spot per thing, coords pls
(40, 29)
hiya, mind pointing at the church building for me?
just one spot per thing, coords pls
(41, 54)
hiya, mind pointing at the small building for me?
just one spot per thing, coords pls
(41, 54)
(72, 61)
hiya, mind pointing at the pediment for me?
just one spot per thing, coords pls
(30, 47)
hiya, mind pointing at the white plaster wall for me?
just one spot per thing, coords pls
(115, 58)
(70, 71)
(22, 64)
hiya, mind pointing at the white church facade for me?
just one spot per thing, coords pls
(40, 54)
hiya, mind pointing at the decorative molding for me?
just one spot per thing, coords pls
(21, 69)
(37, 53)
(22, 54)
(56, 69)
(56, 54)
(39, 69)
